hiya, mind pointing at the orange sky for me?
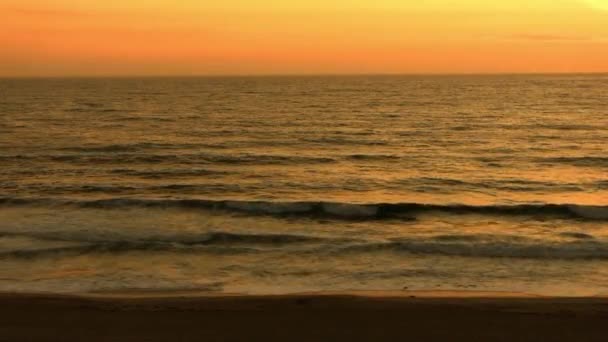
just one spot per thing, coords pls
(192, 37)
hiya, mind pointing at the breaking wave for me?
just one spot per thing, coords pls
(217, 242)
(226, 243)
(329, 209)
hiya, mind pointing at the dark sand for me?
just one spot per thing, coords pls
(328, 317)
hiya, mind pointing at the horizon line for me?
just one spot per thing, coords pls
(279, 75)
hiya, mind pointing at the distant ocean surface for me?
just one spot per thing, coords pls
(292, 184)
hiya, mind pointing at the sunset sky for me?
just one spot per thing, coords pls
(199, 37)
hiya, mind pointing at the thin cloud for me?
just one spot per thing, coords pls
(541, 37)
(549, 37)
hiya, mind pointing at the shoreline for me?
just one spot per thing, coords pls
(332, 316)
(447, 294)
(201, 294)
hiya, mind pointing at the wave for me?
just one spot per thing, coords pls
(169, 173)
(513, 185)
(476, 247)
(330, 209)
(210, 238)
(124, 148)
(577, 235)
(374, 157)
(119, 247)
(174, 159)
(579, 246)
(588, 161)
(215, 242)
(343, 141)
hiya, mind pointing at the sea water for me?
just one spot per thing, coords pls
(294, 184)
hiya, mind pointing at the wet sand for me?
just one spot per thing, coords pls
(370, 316)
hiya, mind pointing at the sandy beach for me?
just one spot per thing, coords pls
(369, 316)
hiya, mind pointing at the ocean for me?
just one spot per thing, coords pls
(272, 185)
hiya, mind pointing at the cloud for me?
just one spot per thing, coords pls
(544, 37)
